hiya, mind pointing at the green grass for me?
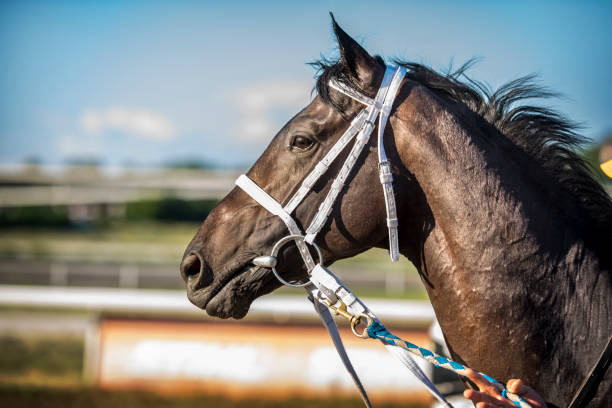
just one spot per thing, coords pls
(164, 243)
(129, 242)
(24, 356)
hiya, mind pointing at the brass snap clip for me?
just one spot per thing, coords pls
(354, 320)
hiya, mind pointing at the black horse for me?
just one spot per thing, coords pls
(509, 231)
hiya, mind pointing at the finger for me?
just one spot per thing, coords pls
(478, 397)
(516, 386)
(477, 379)
(483, 384)
(485, 405)
(468, 394)
(527, 393)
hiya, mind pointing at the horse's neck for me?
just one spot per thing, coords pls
(500, 271)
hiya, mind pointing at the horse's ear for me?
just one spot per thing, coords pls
(361, 64)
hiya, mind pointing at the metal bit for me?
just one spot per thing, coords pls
(265, 261)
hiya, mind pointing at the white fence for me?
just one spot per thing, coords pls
(150, 301)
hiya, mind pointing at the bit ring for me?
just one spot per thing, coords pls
(277, 247)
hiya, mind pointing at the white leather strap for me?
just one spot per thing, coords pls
(274, 207)
(329, 323)
(384, 168)
(386, 180)
(406, 359)
(372, 110)
(385, 110)
(350, 92)
(323, 165)
(326, 282)
(382, 105)
(326, 205)
(263, 198)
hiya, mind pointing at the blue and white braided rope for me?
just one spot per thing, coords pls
(377, 330)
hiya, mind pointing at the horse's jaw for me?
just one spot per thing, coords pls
(233, 296)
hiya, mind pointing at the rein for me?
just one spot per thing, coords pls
(587, 389)
(324, 289)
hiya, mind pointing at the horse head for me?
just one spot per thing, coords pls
(217, 265)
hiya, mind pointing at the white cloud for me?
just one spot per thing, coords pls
(258, 104)
(78, 146)
(137, 122)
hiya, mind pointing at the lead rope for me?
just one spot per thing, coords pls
(353, 309)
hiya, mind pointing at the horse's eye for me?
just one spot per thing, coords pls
(301, 143)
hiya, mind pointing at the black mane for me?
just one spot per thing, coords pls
(544, 134)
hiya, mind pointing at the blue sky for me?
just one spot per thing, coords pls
(147, 82)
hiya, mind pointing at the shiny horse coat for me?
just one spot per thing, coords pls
(510, 233)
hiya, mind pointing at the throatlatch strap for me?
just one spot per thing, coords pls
(382, 105)
(373, 111)
(384, 167)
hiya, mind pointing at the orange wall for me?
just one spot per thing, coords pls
(246, 360)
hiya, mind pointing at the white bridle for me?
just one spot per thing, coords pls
(361, 129)
(323, 287)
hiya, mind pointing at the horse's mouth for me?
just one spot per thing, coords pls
(232, 296)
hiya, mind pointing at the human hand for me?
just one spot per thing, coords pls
(490, 396)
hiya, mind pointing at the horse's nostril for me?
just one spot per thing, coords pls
(191, 267)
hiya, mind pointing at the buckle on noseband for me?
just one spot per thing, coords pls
(277, 247)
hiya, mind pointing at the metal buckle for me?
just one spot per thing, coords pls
(353, 319)
(277, 247)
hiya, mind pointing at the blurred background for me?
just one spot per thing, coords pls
(122, 123)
